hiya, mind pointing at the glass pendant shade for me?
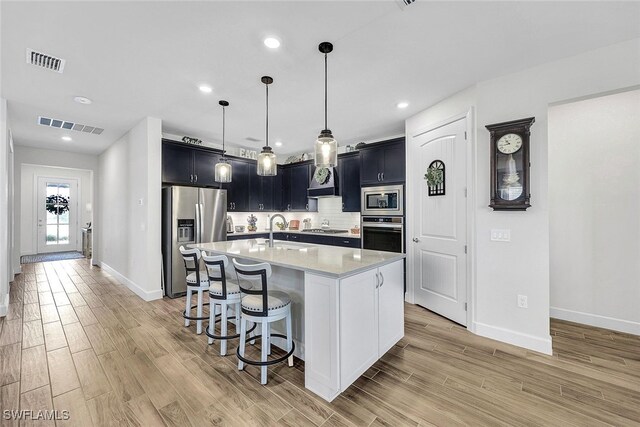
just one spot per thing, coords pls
(267, 165)
(326, 150)
(223, 171)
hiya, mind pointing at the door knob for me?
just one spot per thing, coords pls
(415, 239)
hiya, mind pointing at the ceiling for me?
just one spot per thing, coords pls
(137, 59)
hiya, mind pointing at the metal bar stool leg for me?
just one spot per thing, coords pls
(188, 307)
(241, 344)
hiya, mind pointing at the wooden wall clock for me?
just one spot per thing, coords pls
(510, 165)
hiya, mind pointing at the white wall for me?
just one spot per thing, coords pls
(504, 270)
(29, 204)
(60, 160)
(6, 275)
(594, 211)
(130, 200)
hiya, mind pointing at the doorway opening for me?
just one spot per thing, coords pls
(594, 211)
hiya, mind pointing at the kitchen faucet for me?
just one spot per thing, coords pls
(271, 227)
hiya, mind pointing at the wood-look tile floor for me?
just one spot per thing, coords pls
(76, 340)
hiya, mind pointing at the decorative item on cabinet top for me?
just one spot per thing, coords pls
(191, 140)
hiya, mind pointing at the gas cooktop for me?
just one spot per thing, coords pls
(325, 230)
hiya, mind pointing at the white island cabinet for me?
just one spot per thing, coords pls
(348, 305)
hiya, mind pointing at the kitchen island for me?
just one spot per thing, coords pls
(348, 304)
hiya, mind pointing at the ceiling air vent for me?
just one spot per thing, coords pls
(252, 139)
(63, 124)
(45, 61)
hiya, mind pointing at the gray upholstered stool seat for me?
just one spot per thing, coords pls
(275, 300)
(216, 288)
(193, 280)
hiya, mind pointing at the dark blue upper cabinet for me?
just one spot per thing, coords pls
(177, 164)
(383, 163)
(349, 181)
(261, 192)
(294, 183)
(204, 164)
(299, 184)
(238, 188)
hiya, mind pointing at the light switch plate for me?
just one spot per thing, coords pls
(500, 235)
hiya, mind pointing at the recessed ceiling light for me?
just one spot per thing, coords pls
(402, 104)
(205, 88)
(66, 138)
(82, 100)
(278, 144)
(272, 42)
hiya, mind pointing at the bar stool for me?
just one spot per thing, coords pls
(198, 281)
(265, 307)
(223, 293)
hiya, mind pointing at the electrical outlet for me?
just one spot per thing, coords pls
(500, 235)
(141, 202)
(522, 301)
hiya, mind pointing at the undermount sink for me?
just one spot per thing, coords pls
(287, 246)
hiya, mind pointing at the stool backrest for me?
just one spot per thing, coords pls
(254, 273)
(215, 265)
(191, 258)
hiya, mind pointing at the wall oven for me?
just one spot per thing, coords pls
(387, 200)
(383, 233)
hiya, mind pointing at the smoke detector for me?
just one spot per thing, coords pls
(43, 60)
(65, 124)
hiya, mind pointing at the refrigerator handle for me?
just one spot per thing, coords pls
(198, 224)
(201, 223)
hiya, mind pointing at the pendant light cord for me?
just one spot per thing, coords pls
(325, 91)
(267, 126)
(223, 123)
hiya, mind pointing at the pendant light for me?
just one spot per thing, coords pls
(267, 159)
(326, 147)
(223, 167)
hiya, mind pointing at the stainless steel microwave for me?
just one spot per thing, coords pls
(386, 200)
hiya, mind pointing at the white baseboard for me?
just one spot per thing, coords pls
(145, 295)
(596, 320)
(531, 342)
(4, 305)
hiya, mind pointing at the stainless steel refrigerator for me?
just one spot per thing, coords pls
(189, 215)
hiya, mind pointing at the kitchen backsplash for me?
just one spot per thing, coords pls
(329, 208)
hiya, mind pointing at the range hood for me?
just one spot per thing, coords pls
(323, 183)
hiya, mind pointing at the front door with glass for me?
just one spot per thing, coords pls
(57, 214)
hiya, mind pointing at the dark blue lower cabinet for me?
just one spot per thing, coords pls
(247, 236)
(317, 239)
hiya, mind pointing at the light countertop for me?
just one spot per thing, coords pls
(332, 261)
(247, 233)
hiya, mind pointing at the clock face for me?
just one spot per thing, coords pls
(509, 143)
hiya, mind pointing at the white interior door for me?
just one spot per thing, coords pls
(57, 205)
(440, 223)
